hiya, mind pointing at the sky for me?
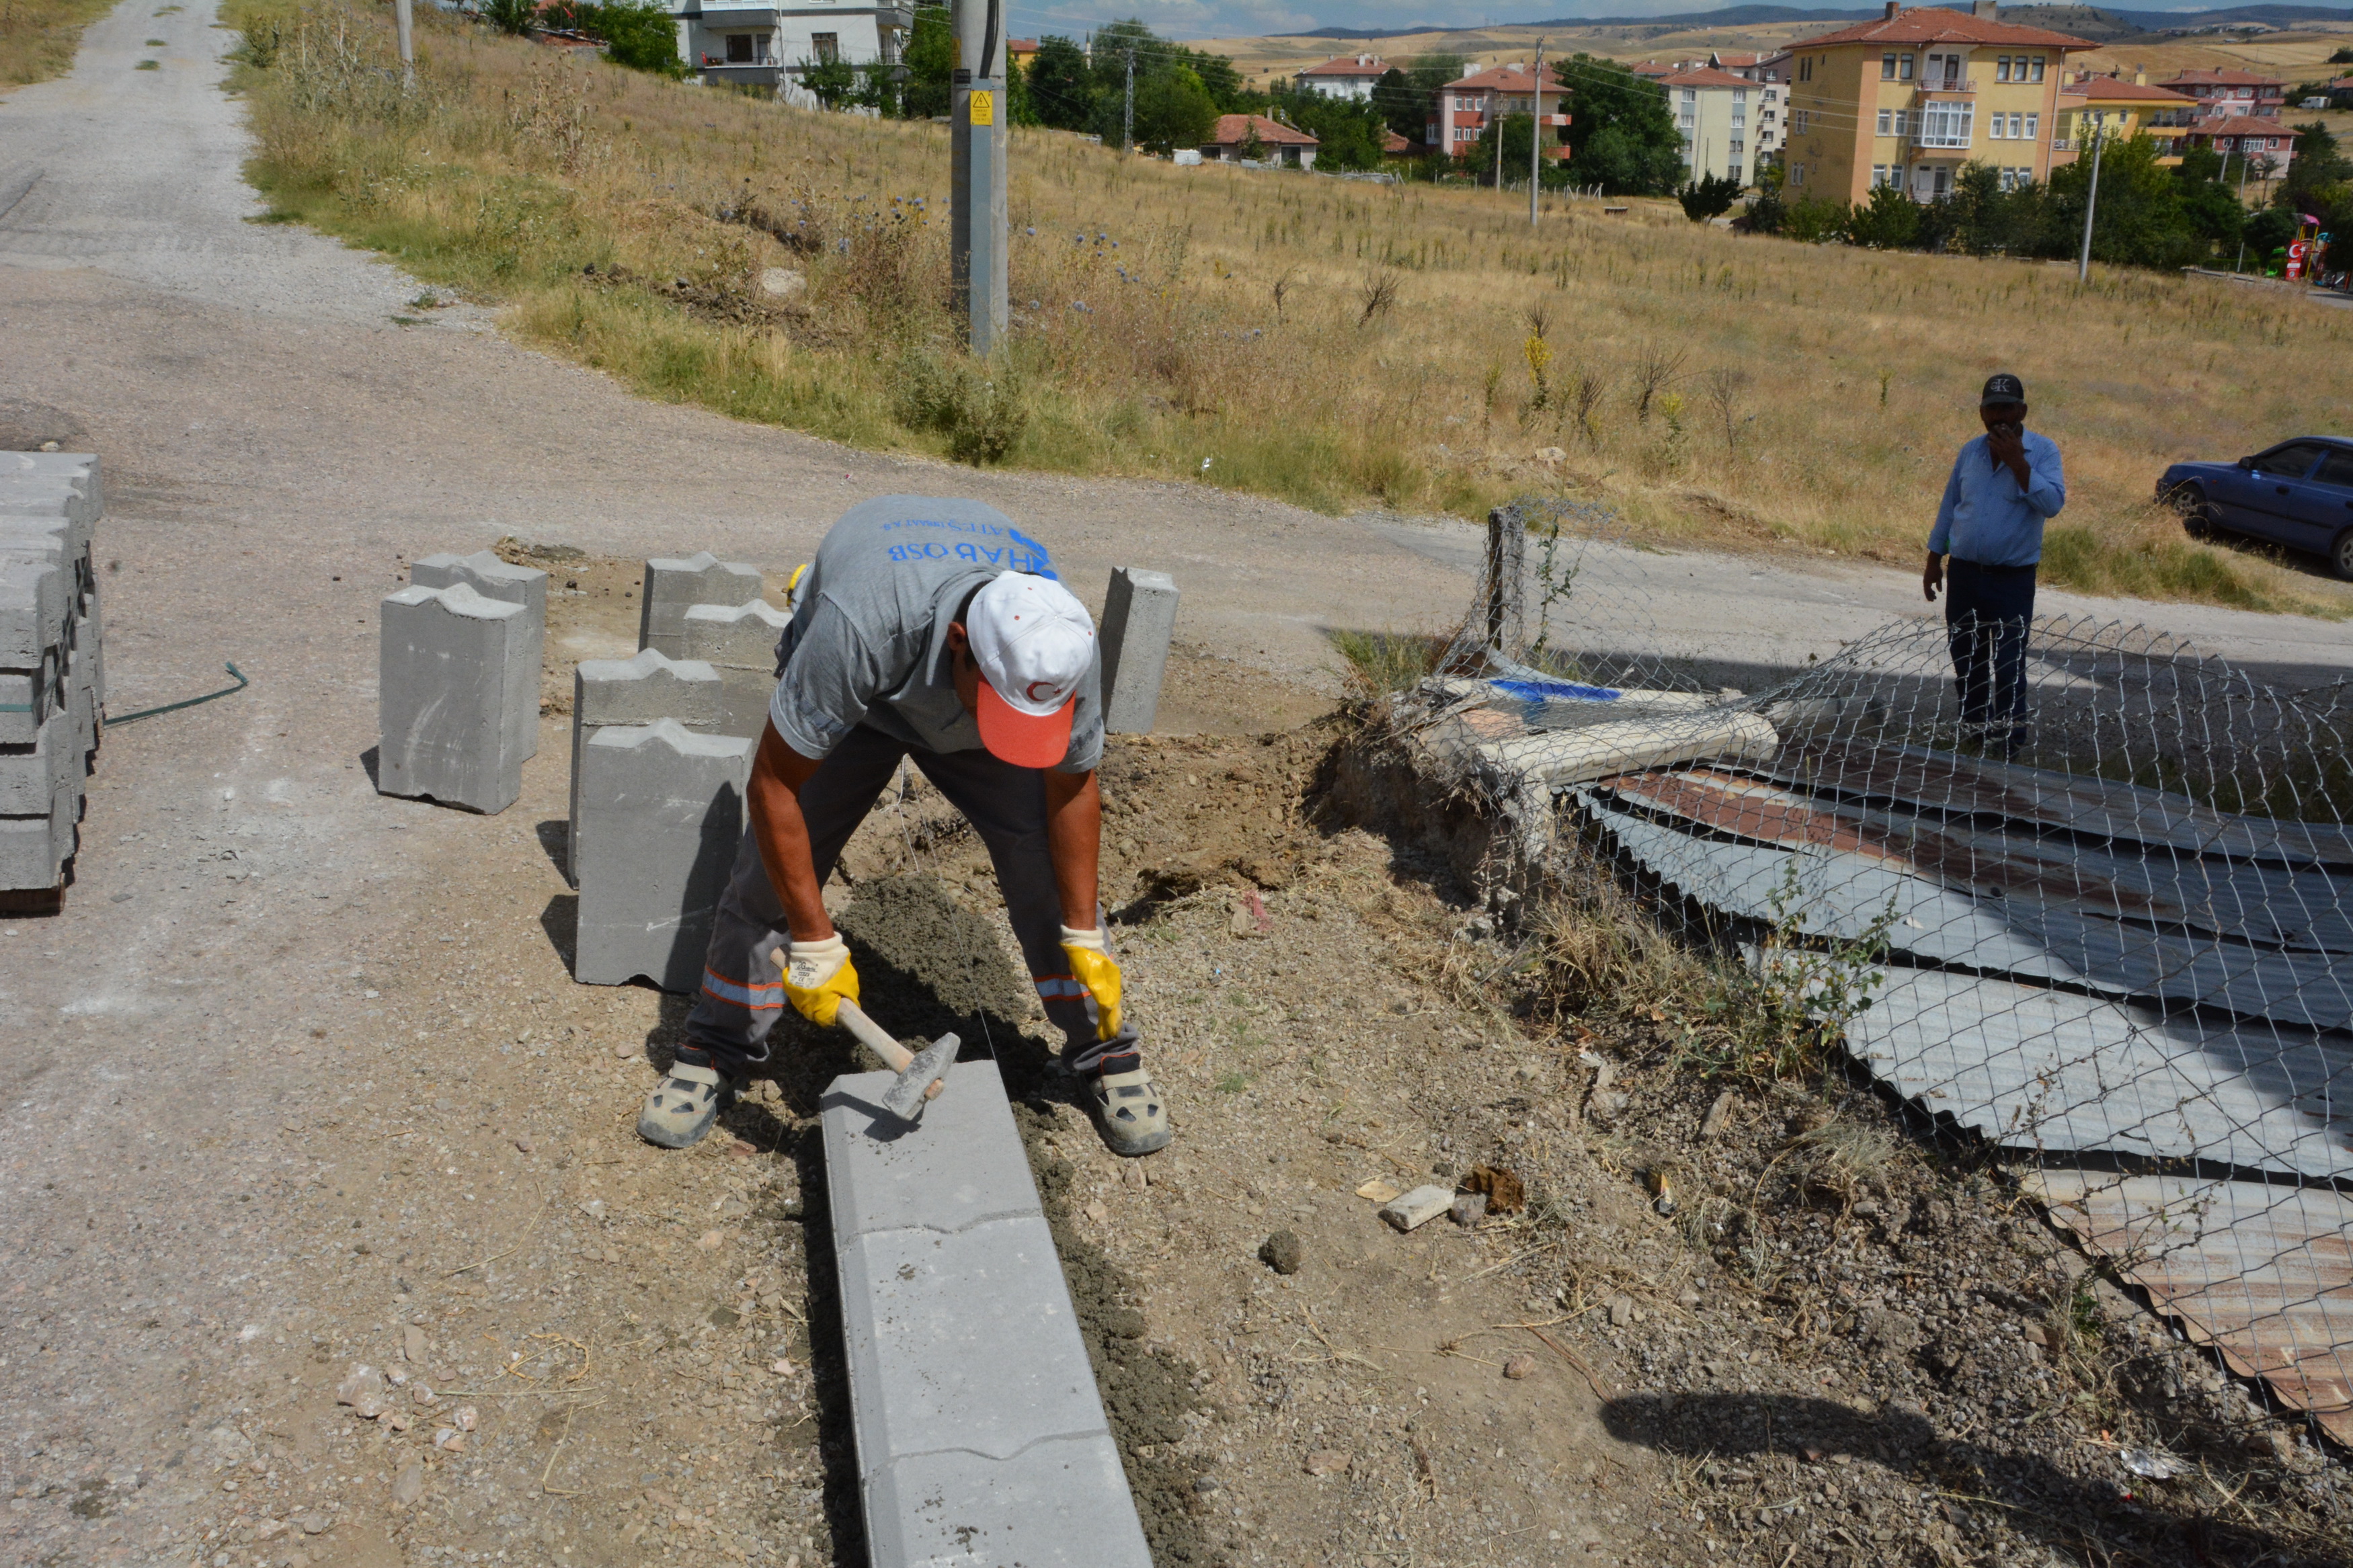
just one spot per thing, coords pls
(1252, 18)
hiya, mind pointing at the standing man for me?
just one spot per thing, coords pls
(935, 630)
(2006, 484)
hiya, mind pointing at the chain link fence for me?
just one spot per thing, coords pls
(2107, 928)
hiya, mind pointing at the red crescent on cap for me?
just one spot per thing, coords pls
(1031, 690)
(1025, 739)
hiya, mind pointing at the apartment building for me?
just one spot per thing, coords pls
(1716, 115)
(763, 46)
(1907, 99)
(1462, 108)
(2115, 109)
(2223, 94)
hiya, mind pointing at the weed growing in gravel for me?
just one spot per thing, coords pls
(1383, 662)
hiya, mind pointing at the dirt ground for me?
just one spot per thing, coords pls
(1848, 1345)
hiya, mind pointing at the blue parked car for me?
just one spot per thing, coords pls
(2299, 494)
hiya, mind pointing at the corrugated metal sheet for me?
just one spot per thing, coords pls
(2267, 906)
(2033, 1069)
(1835, 891)
(2262, 1273)
(1944, 783)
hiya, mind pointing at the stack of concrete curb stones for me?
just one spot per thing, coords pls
(52, 668)
(981, 1437)
(661, 754)
(457, 682)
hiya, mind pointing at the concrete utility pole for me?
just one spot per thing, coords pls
(2091, 204)
(976, 224)
(2242, 261)
(1535, 133)
(1127, 109)
(403, 29)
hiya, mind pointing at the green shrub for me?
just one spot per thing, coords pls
(980, 410)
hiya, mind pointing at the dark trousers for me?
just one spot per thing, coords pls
(1988, 610)
(743, 980)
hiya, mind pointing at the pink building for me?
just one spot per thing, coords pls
(1463, 108)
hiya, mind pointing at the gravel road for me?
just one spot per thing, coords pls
(234, 1025)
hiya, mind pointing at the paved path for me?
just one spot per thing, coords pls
(275, 446)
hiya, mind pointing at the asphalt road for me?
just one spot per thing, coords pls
(276, 446)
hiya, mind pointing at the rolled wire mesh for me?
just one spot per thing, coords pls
(2111, 933)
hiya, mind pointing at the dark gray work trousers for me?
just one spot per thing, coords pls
(1988, 613)
(743, 978)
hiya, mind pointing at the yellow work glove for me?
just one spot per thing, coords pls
(818, 976)
(1094, 968)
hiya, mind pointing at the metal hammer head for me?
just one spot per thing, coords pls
(905, 1098)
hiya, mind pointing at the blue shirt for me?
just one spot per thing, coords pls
(1986, 517)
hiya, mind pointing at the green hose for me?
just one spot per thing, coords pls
(236, 674)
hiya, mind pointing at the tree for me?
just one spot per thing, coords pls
(1173, 109)
(513, 17)
(831, 82)
(2210, 202)
(1061, 84)
(2342, 57)
(1348, 132)
(1890, 220)
(1709, 198)
(1624, 134)
(2317, 181)
(1813, 219)
(1765, 211)
(930, 59)
(640, 34)
(1402, 109)
(2139, 220)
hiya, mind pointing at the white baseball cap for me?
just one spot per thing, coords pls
(1033, 641)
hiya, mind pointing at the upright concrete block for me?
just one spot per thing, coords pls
(661, 813)
(674, 585)
(1139, 617)
(36, 601)
(981, 1437)
(641, 690)
(740, 642)
(454, 667)
(32, 777)
(493, 578)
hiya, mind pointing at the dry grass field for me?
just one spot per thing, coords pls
(38, 38)
(1337, 343)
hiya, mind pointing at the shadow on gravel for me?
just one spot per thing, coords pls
(561, 920)
(2076, 1517)
(555, 841)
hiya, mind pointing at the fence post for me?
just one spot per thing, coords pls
(1507, 545)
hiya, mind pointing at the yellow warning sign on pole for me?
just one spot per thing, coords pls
(983, 108)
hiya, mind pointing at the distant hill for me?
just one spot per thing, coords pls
(2098, 23)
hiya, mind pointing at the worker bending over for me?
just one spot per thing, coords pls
(930, 629)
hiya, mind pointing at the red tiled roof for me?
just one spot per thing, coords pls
(1735, 62)
(1652, 68)
(1393, 143)
(1513, 78)
(1928, 24)
(1021, 46)
(2115, 89)
(2219, 76)
(1705, 77)
(1234, 130)
(2242, 125)
(1348, 65)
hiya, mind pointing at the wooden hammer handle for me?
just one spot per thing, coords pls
(896, 1057)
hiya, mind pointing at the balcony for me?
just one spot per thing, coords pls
(717, 17)
(1950, 85)
(743, 73)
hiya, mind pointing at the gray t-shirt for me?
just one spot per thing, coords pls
(868, 641)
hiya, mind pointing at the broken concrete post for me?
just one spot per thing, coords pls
(643, 689)
(672, 586)
(1139, 617)
(740, 642)
(661, 813)
(1412, 1210)
(981, 1437)
(50, 674)
(453, 669)
(493, 578)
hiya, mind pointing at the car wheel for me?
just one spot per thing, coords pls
(2341, 555)
(2196, 511)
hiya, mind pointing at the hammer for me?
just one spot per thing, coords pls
(921, 1074)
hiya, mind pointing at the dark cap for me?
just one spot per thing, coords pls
(2002, 388)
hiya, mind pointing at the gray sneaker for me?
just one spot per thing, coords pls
(682, 1107)
(1129, 1111)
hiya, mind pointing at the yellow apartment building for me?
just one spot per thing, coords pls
(1908, 99)
(2116, 111)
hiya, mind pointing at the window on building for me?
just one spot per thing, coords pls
(1886, 118)
(827, 47)
(1945, 123)
(1901, 121)
(1995, 130)
(2034, 68)
(1878, 175)
(1690, 95)
(2001, 68)
(2033, 126)
(739, 48)
(1905, 72)
(1887, 67)
(1806, 69)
